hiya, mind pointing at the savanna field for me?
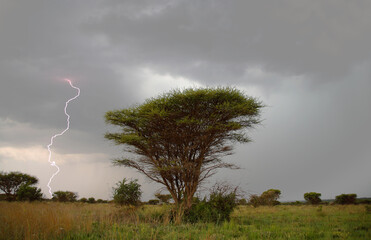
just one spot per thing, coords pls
(51, 220)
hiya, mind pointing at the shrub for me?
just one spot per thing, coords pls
(91, 200)
(242, 201)
(153, 202)
(28, 193)
(346, 199)
(64, 196)
(100, 201)
(83, 200)
(312, 197)
(127, 193)
(217, 209)
(297, 203)
(364, 201)
(254, 200)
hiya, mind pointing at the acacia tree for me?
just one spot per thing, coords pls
(178, 139)
(164, 198)
(312, 197)
(270, 197)
(11, 182)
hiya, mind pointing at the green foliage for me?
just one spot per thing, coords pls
(91, 200)
(242, 201)
(255, 200)
(320, 213)
(181, 137)
(153, 202)
(83, 200)
(368, 209)
(346, 198)
(164, 198)
(28, 193)
(127, 193)
(217, 208)
(269, 198)
(11, 182)
(364, 201)
(64, 196)
(312, 197)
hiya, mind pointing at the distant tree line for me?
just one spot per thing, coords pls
(215, 207)
(17, 186)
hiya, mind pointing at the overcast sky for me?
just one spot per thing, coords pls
(308, 61)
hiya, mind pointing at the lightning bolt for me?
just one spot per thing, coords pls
(52, 163)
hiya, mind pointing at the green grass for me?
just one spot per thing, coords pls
(106, 221)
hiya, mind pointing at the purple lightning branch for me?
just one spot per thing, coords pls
(60, 134)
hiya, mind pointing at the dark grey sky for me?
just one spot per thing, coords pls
(308, 61)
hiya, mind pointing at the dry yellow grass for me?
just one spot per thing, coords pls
(43, 220)
(50, 220)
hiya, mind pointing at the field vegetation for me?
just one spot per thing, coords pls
(57, 220)
(178, 140)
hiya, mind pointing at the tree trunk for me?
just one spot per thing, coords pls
(179, 214)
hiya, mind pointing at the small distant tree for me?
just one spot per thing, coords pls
(11, 182)
(164, 198)
(100, 201)
(312, 197)
(346, 199)
(64, 196)
(270, 197)
(127, 193)
(153, 202)
(91, 200)
(29, 193)
(83, 200)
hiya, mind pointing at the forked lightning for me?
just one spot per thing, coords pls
(60, 134)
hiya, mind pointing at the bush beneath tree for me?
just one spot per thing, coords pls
(127, 193)
(217, 208)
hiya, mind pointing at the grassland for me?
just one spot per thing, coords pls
(48, 220)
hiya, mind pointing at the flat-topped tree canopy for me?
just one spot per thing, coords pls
(180, 137)
(12, 181)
